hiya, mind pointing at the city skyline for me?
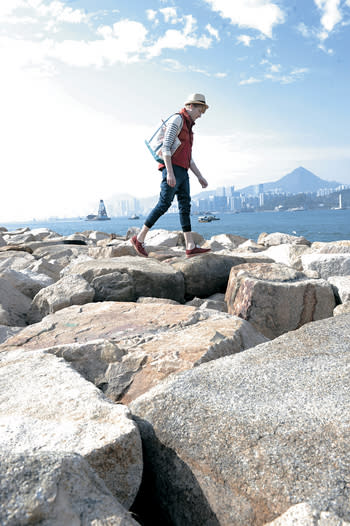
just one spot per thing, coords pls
(85, 82)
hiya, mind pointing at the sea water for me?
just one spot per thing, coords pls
(314, 225)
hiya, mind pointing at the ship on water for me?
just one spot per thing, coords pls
(101, 214)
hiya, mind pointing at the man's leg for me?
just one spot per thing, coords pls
(166, 197)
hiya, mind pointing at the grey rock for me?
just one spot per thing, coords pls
(6, 332)
(14, 260)
(343, 308)
(55, 489)
(42, 266)
(27, 281)
(239, 440)
(276, 299)
(334, 247)
(341, 287)
(207, 274)
(69, 290)
(215, 302)
(14, 305)
(327, 265)
(115, 286)
(46, 406)
(127, 348)
(19, 239)
(305, 515)
(116, 250)
(279, 238)
(165, 301)
(288, 254)
(149, 277)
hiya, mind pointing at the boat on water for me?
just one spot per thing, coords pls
(134, 216)
(101, 214)
(207, 218)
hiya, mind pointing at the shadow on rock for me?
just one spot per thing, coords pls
(163, 497)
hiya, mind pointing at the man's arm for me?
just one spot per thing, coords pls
(171, 132)
(203, 182)
(170, 178)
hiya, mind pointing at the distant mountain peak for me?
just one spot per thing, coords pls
(299, 180)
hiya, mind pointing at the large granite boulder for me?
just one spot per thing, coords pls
(42, 266)
(164, 238)
(69, 290)
(46, 406)
(114, 250)
(128, 278)
(224, 241)
(27, 281)
(305, 515)
(55, 489)
(276, 299)
(14, 305)
(2, 241)
(341, 287)
(288, 254)
(279, 238)
(343, 308)
(96, 235)
(15, 260)
(207, 274)
(6, 332)
(18, 239)
(60, 254)
(327, 265)
(332, 247)
(239, 440)
(127, 348)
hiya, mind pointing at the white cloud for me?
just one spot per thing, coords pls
(7, 7)
(261, 15)
(177, 39)
(293, 76)
(170, 15)
(212, 31)
(275, 68)
(328, 51)
(304, 30)
(176, 66)
(250, 80)
(151, 14)
(244, 39)
(123, 42)
(331, 13)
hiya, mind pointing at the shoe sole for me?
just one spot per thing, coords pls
(137, 250)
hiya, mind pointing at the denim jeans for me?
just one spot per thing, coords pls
(167, 194)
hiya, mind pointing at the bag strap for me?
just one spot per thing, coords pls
(164, 122)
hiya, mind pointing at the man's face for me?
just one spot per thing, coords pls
(197, 112)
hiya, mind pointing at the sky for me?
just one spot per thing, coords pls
(85, 82)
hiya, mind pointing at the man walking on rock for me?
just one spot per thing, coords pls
(177, 157)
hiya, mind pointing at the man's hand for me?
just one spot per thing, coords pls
(170, 179)
(203, 182)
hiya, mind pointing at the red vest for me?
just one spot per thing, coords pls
(182, 156)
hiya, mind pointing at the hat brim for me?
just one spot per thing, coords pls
(197, 102)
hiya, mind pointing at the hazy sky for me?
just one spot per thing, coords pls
(84, 82)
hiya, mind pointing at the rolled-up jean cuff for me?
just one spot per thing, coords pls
(186, 228)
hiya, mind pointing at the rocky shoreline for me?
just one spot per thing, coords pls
(205, 391)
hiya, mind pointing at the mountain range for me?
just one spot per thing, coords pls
(299, 180)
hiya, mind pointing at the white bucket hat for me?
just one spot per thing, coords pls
(197, 98)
